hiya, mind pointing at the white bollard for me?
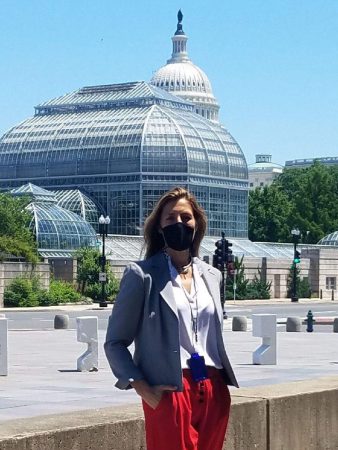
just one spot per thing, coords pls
(87, 327)
(3, 346)
(265, 326)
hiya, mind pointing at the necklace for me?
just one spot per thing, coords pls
(185, 269)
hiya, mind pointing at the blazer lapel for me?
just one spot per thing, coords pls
(212, 285)
(162, 279)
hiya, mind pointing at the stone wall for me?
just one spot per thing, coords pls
(323, 265)
(275, 271)
(317, 264)
(10, 270)
(293, 416)
(63, 269)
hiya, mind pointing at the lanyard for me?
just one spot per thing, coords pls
(194, 319)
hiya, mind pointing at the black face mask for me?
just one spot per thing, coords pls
(178, 236)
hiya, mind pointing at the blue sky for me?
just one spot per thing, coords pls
(273, 64)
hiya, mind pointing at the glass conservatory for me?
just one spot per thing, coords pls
(79, 203)
(330, 239)
(55, 228)
(124, 145)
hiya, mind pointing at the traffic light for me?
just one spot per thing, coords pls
(219, 257)
(223, 254)
(296, 258)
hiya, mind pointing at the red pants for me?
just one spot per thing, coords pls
(195, 419)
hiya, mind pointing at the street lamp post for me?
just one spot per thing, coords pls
(103, 230)
(295, 236)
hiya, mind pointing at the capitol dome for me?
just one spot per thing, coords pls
(184, 79)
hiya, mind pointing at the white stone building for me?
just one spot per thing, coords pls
(263, 171)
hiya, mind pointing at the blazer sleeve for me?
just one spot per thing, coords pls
(123, 325)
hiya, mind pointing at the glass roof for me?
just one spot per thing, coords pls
(113, 95)
(76, 201)
(58, 229)
(130, 248)
(35, 192)
(57, 253)
(330, 239)
(153, 139)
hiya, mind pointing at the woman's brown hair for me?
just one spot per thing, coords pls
(153, 238)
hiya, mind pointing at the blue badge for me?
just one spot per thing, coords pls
(197, 367)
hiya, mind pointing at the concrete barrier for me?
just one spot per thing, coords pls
(239, 323)
(265, 326)
(61, 321)
(335, 325)
(293, 416)
(87, 332)
(3, 346)
(293, 324)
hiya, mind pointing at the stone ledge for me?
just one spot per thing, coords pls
(295, 416)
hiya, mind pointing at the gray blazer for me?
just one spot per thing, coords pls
(145, 312)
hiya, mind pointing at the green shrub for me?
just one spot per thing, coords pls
(88, 270)
(94, 290)
(304, 288)
(59, 292)
(246, 289)
(22, 292)
(241, 281)
(258, 288)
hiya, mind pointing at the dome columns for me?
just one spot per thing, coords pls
(179, 53)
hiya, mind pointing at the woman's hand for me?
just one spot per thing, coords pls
(151, 394)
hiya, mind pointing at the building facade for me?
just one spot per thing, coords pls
(124, 145)
(263, 171)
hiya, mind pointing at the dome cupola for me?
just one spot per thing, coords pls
(184, 79)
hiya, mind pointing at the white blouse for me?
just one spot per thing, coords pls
(197, 303)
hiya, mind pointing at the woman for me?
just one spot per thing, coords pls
(169, 305)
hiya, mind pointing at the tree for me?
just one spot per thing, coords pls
(269, 208)
(16, 237)
(259, 288)
(241, 281)
(88, 275)
(88, 267)
(313, 194)
(246, 289)
(303, 288)
(303, 198)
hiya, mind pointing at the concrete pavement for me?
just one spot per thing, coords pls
(43, 378)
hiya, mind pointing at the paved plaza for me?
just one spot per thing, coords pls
(43, 379)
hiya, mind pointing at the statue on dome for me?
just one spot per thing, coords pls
(179, 24)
